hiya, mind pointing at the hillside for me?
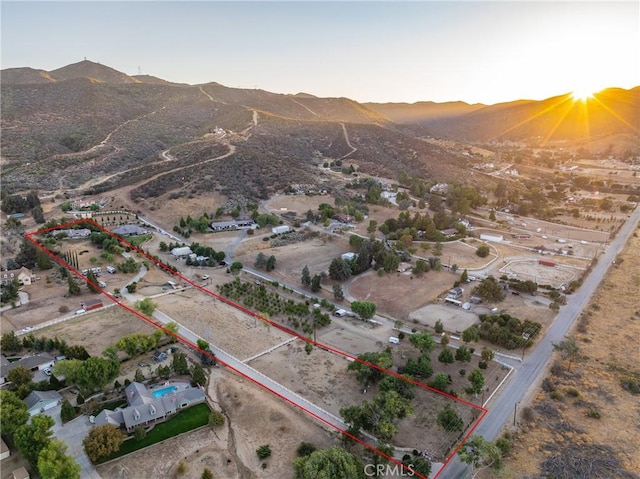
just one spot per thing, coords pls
(609, 113)
(96, 128)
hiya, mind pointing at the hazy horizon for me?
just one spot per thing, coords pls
(476, 52)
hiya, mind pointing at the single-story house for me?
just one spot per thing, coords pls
(181, 252)
(41, 401)
(130, 230)
(147, 407)
(20, 473)
(4, 450)
(23, 275)
(449, 232)
(77, 233)
(233, 225)
(90, 304)
(37, 362)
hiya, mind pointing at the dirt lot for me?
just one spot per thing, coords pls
(607, 335)
(229, 451)
(220, 323)
(399, 294)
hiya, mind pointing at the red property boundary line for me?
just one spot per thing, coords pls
(484, 411)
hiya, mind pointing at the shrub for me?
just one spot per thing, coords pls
(263, 451)
(63, 309)
(305, 449)
(216, 419)
(504, 444)
(594, 413)
(573, 392)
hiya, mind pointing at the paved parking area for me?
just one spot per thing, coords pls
(72, 433)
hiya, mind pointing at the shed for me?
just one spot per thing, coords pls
(276, 230)
(40, 401)
(90, 304)
(181, 252)
(348, 256)
(492, 238)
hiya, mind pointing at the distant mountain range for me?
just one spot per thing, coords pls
(88, 125)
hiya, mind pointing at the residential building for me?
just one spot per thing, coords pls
(20, 473)
(23, 275)
(41, 401)
(74, 233)
(130, 230)
(146, 407)
(34, 363)
(233, 225)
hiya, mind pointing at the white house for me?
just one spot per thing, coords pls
(41, 401)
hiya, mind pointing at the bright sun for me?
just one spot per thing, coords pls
(582, 94)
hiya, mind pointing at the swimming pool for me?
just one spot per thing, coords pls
(163, 391)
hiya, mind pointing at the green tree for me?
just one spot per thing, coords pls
(464, 276)
(20, 376)
(490, 290)
(103, 441)
(43, 260)
(315, 283)
(13, 412)
(437, 249)
(569, 349)
(94, 373)
(483, 251)
(329, 463)
(480, 454)
(74, 288)
(446, 356)
(487, 354)
(439, 327)
(305, 449)
(131, 287)
(470, 334)
(198, 376)
(235, 266)
(373, 224)
(339, 269)
(67, 411)
(138, 376)
(261, 261)
(421, 267)
(365, 366)
(33, 437)
(271, 263)
(419, 368)
(423, 341)
(54, 463)
(10, 343)
(92, 282)
(263, 451)
(216, 419)
(163, 246)
(179, 363)
(366, 309)
(306, 277)
(440, 382)
(67, 368)
(463, 354)
(477, 382)
(27, 256)
(139, 433)
(449, 419)
(338, 294)
(171, 331)
(146, 305)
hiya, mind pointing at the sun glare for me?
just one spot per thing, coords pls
(582, 94)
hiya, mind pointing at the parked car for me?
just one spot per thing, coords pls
(47, 371)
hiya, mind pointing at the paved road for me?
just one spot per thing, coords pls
(501, 410)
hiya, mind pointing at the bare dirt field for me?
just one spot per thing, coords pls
(98, 329)
(229, 451)
(220, 323)
(582, 402)
(398, 294)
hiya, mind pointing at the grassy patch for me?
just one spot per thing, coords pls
(184, 421)
(138, 240)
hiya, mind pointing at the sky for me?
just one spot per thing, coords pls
(383, 51)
